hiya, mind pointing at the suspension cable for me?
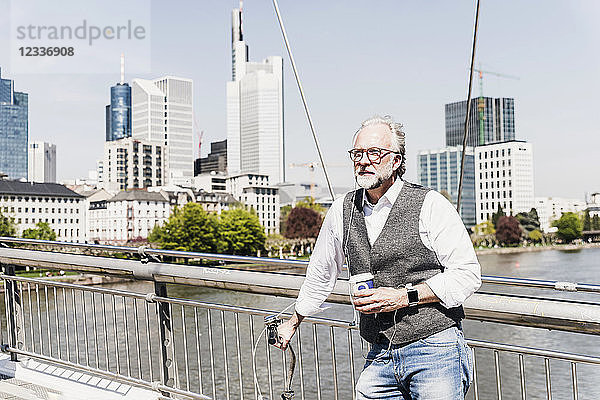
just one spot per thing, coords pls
(310, 122)
(464, 144)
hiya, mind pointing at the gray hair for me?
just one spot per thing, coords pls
(398, 137)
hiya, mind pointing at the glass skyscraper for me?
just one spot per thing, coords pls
(490, 121)
(13, 130)
(440, 170)
(118, 112)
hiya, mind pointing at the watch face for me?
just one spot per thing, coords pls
(413, 296)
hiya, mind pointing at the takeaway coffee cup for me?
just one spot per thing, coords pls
(361, 281)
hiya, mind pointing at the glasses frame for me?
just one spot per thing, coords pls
(373, 159)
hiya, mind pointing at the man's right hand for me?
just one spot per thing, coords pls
(286, 330)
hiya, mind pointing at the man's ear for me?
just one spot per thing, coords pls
(397, 162)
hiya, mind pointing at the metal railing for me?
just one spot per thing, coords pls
(193, 349)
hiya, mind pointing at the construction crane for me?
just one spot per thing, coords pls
(311, 168)
(200, 134)
(481, 101)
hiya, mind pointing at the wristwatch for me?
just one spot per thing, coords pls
(413, 295)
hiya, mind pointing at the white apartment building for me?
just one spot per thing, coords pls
(215, 202)
(550, 209)
(129, 215)
(210, 182)
(41, 162)
(132, 163)
(255, 193)
(163, 112)
(255, 125)
(593, 205)
(29, 203)
(100, 172)
(503, 177)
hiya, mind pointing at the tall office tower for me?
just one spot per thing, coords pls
(440, 170)
(255, 125)
(14, 130)
(41, 162)
(503, 177)
(118, 112)
(490, 121)
(163, 113)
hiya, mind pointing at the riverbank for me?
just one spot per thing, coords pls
(511, 250)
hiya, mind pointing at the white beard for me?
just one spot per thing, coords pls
(374, 181)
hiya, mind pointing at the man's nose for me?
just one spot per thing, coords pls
(363, 160)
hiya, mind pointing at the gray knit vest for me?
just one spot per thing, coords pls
(397, 257)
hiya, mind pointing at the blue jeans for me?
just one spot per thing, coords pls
(439, 367)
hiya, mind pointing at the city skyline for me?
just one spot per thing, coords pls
(341, 81)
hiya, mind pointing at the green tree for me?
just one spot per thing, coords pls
(587, 221)
(596, 223)
(7, 226)
(188, 229)
(283, 215)
(309, 202)
(497, 215)
(536, 236)
(42, 231)
(569, 227)
(530, 221)
(240, 232)
(484, 228)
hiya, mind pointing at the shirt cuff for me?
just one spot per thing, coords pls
(306, 310)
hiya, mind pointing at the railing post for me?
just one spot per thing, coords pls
(166, 337)
(14, 311)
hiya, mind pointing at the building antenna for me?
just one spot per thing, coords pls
(241, 19)
(122, 68)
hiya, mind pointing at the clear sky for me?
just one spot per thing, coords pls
(358, 58)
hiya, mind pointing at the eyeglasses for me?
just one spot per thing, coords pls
(374, 154)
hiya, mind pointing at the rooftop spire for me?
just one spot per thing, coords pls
(122, 68)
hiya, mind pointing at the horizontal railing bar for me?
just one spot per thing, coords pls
(540, 284)
(51, 283)
(155, 386)
(160, 252)
(557, 355)
(254, 311)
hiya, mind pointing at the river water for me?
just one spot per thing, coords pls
(575, 266)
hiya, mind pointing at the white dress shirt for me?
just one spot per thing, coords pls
(441, 230)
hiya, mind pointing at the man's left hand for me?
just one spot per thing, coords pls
(383, 299)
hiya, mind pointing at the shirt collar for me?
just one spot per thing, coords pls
(389, 196)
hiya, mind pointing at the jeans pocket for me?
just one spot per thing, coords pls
(447, 337)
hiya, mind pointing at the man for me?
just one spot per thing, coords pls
(414, 243)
